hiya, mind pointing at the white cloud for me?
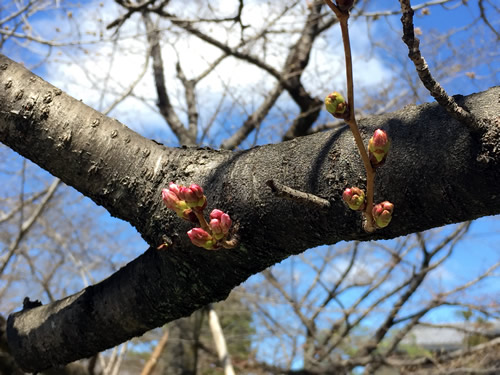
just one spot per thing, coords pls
(326, 73)
(83, 71)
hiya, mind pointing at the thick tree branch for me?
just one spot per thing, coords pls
(295, 64)
(437, 174)
(166, 108)
(192, 112)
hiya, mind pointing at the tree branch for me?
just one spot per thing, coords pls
(166, 108)
(435, 89)
(289, 77)
(254, 120)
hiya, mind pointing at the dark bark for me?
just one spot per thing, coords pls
(436, 174)
(9, 366)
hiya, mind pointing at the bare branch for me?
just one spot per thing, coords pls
(254, 120)
(436, 90)
(153, 359)
(166, 108)
(26, 225)
(485, 19)
(190, 102)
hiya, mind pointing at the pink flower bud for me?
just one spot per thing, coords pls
(197, 191)
(378, 146)
(172, 201)
(201, 238)
(174, 188)
(193, 196)
(355, 198)
(382, 214)
(220, 223)
(336, 105)
(216, 229)
(216, 214)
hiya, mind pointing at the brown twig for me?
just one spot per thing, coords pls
(203, 223)
(435, 89)
(284, 191)
(153, 360)
(351, 121)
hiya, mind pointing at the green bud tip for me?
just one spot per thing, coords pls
(378, 146)
(335, 104)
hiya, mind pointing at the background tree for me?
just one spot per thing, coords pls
(283, 103)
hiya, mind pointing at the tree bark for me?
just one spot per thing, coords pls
(437, 173)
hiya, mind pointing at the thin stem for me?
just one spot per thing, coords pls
(370, 188)
(203, 222)
(343, 18)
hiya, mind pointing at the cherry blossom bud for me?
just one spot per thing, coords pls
(378, 146)
(172, 200)
(220, 223)
(193, 196)
(382, 214)
(199, 237)
(174, 188)
(336, 105)
(355, 198)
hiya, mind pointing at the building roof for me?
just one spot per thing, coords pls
(450, 336)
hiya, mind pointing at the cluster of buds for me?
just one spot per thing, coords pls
(336, 105)
(382, 213)
(378, 147)
(189, 203)
(184, 200)
(220, 223)
(354, 197)
(216, 233)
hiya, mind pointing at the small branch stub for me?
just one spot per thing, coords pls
(284, 191)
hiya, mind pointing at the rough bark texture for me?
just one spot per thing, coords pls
(436, 174)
